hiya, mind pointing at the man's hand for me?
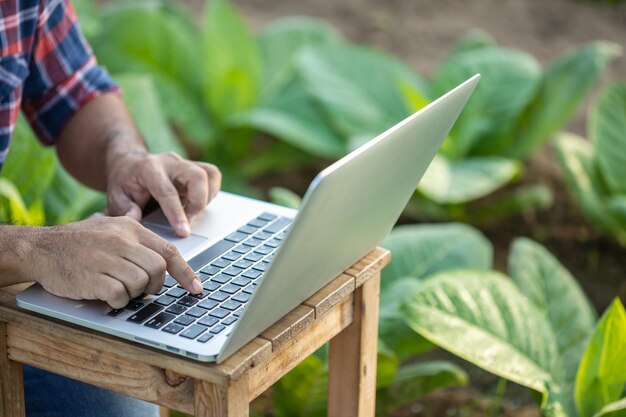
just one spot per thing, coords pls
(103, 258)
(136, 176)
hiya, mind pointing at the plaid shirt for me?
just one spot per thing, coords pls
(46, 67)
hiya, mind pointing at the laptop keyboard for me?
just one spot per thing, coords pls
(229, 271)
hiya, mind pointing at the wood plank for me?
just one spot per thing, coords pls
(100, 368)
(11, 380)
(289, 326)
(222, 401)
(369, 265)
(245, 358)
(352, 358)
(331, 294)
(297, 349)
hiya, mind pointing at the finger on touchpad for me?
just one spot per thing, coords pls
(183, 244)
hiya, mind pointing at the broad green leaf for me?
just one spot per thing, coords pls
(231, 62)
(303, 391)
(551, 287)
(29, 165)
(460, 181)
(341, 76)
(482, 317)
(295, 119)
(67, 200)
(607, 128)
(143, 103)
(616, 204)
(284, 197)
(522, 199)
(576, 157)
(601, 376)
(280, 42)
(18, 213)
(392, 328)
(422, 250)
(416, 380)
(509, 81)
(614, 409)
(564, 85)
(157, 40)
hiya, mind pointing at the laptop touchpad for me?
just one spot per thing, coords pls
(183, 244)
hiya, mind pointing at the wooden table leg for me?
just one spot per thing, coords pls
(213, 400)
(352, 358)
(11, 381)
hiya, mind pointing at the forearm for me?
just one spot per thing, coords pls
(98, 134)
(15, 242)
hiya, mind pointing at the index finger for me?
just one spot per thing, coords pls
(176, 265)
(165, 193)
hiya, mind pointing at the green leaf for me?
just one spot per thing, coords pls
(422, 250)
(576, 157)
(607, 126)
(29, 166)
(483, 318)
(295, 119)
(18, 212)
(231, 61)
(553, 290)
(67, 200)
(143, 103)
(416, 380)
(284, 197)
(473, 40)
(160, 41)
(279, 43)
(386, 365)
(616, 204)
(303, 391)
(338, 76)
(509, 81)
(564, 85)
(614, 409)
(602, 373)
(456, 182)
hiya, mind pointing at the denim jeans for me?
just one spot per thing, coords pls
(50, 395)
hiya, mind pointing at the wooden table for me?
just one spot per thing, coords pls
(345, 313)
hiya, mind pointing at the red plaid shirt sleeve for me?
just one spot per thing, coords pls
(63, 73)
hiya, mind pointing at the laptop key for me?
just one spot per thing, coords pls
(173, 328)
(231, 305)
(220, 313)
(221, 278)
(115, 312)
(253, 257)
(193, 331)
(243, 264)
(221, 263)
(262, 235)
(241, 281)
(208, 304)
(278, 225)
(200, 296)
(176, 309)
(242, 249)
(169, 281)
(208, 321)
(205, 338)
(210, 253)
(219, 296)
(188, 301)
(229, 320)
(232, 256)
(242, 297)
(247, 229)
(196, 312)
(236, 237)
(252, 273)
(134, 305)
(274, 243)
(159, 320)
(261, 266)
(210, 270)
(165, 300)
(229, 289)
(184, 320)
(145, 313)
(211, 285)
(232, 271)
(176, 292)
(162, 290)
(238, 312)
(249, 289)
(217, 329)
(257, 223)
(267, 217)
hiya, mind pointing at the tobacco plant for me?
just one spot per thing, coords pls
(595, 169)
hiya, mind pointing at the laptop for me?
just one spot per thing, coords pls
(258, 261)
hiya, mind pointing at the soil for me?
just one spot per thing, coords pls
(421, 32)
